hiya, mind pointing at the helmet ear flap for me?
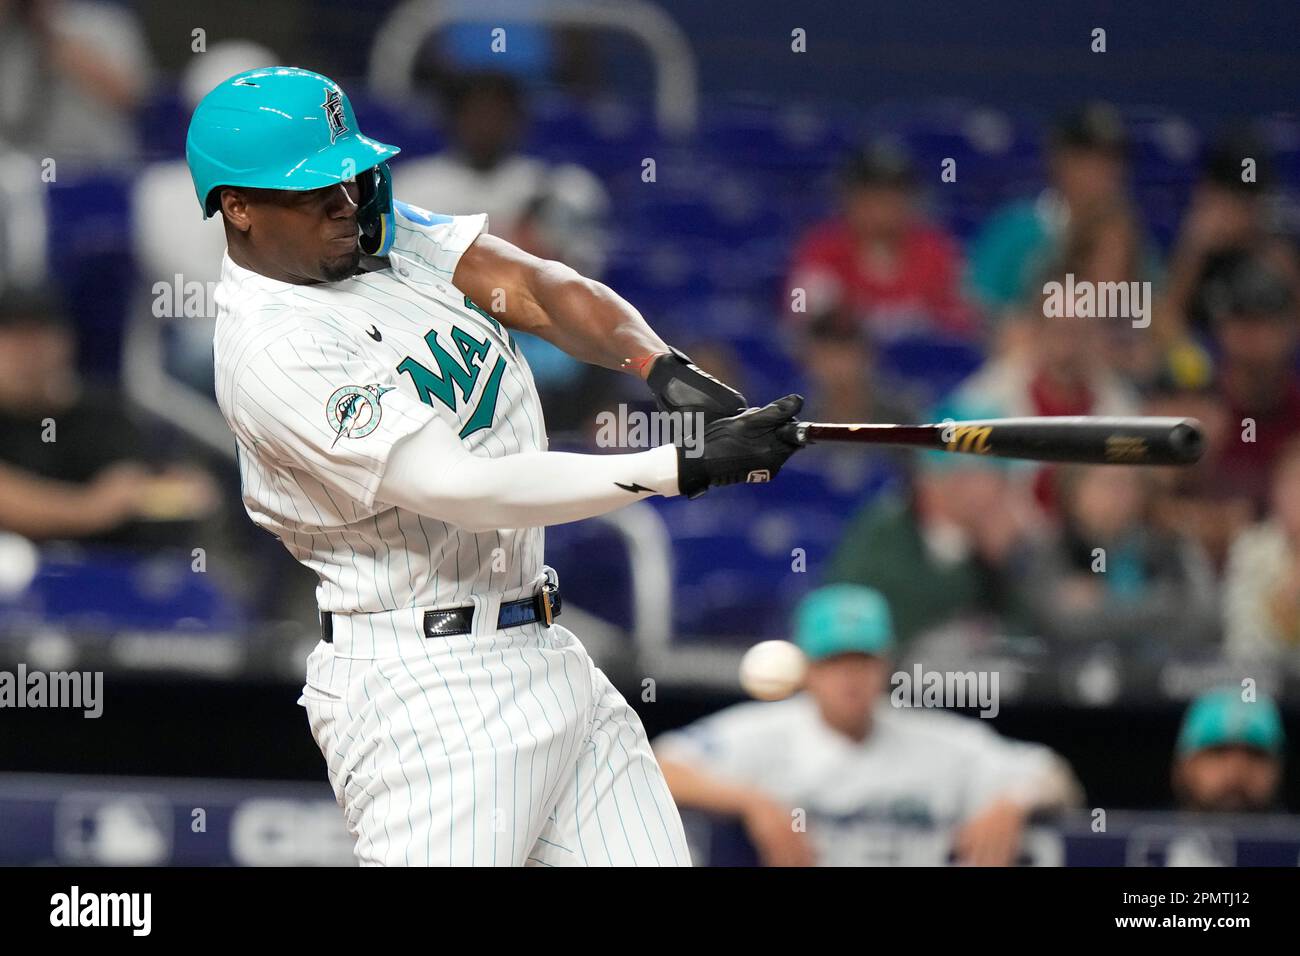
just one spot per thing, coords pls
(375, 210)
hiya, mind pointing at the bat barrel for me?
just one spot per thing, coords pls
(1082, 439)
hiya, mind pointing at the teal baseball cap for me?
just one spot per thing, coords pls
(276, 127)
(1221, 717)
(842, 619)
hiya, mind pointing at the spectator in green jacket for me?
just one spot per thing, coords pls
(943, 557)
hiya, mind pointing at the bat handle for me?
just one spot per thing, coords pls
(796, 433)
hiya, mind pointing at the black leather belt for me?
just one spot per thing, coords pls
(544, 606)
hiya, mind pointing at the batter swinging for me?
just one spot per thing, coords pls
(389, 433)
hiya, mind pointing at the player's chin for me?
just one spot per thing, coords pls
(340, 265)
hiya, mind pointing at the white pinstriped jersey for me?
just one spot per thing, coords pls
(318, 382)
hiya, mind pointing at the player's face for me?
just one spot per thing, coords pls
(308, 236)
(1227, 779)
(846, 688)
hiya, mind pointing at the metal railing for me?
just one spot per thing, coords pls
(401, 36)
(148, 385)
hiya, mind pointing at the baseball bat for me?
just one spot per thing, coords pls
(1083, 439)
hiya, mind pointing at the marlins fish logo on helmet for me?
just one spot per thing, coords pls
(333, 107)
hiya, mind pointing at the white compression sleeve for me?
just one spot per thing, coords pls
(432, 473)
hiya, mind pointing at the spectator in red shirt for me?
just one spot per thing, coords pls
(1254, 313)
(895, 272)
(1251, 305)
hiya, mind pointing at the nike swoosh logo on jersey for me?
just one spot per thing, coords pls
(374, 334)
(634, 487)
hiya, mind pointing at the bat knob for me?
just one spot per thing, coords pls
(1187, 440)
(796, 433)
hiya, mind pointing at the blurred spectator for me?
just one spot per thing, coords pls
(1229, 756)
(1253, 308)
(1105, 247)
(1262, 586)
(945, 556)
(168, 246)
(1252, 414)
(1061, 366)
(880, 784)
(895, 272)
(1228, 217)
(1088, 170)
(843, 382)
(72, 464)
(72, 73)
(556, 211)
(838, 361)
(1152, 587)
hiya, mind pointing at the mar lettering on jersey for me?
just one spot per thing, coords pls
(461, 376)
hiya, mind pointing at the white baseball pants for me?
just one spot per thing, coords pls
(501, 748)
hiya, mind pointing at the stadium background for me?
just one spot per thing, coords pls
(202, 670)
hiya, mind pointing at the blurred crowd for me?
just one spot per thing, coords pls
(1142, 557)
(1196, 558)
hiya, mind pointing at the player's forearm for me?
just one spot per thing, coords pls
(1050, 786)
(428, 475)
(590, 321)
(699, 790)
(580, 316)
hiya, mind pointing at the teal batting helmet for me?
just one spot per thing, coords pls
(281, 127)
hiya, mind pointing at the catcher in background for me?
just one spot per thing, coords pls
(879, 785)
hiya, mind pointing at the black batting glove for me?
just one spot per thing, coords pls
(749, 447)
(679, 385)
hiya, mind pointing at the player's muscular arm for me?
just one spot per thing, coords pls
(589, 321)
(580, 316)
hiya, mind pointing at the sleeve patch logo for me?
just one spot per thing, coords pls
(353, 411)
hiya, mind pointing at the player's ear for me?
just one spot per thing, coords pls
(234, 207)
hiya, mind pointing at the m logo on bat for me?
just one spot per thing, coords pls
(971, 439)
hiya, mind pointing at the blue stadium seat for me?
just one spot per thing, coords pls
(90, 254)
(938, 362)
(100, 590)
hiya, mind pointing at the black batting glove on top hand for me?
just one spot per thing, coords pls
(748, 447)
(679, 385)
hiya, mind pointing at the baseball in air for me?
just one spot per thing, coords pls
(772, 670)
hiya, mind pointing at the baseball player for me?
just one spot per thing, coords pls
(836, 776)
(390, 435)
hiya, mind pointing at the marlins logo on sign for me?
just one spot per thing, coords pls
(333, 107)
(353, 410)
